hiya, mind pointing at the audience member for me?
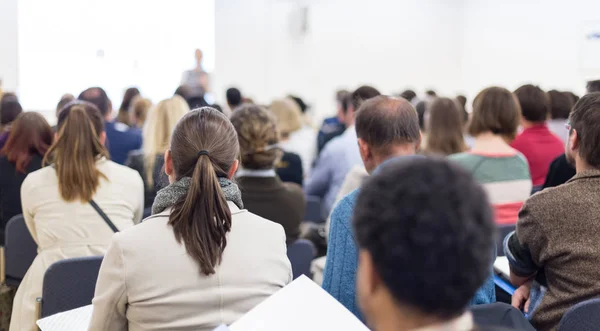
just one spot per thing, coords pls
(124, 115)
(192, 96)
(334, 126)
(234, 98)
(64, 100)
(387, 128)
(263, 192)
(294, 137)
(558, 229)
(502, 170)
(10, 108)
(120, 138)
(560, 107)
(559, 173)
(201, 260)
(63, 203)
(29, 139)
(306, 133)
(537, 143)
(149, 161)
(462, 103)
(423, 246)
(338, 157)
(593, 86)
(410, 96)
(445, 127)
(139, 112)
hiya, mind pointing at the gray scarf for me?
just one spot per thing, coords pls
(169, 195)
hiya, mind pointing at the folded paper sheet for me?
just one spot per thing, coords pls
(300, 306)
(501, 266)
(72, 320)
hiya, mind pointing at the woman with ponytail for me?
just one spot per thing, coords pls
(200, 260)
(63, 203)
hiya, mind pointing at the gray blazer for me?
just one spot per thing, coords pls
(148, 281)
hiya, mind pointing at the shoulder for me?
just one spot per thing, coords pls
(43, 175)
(145, 233)
(345, 207)
(294, 190)
(120, 173)
(463, 158)
(252, 225)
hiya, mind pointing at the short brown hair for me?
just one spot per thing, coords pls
(257, 134)
(30, 134)
(584, 119)
(363, 94)
(535, 104)
(560, 104)
(445, 127)
(593, 86)
(495, 110)
(385, 121)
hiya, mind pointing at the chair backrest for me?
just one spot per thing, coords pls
(301, 253)
(19, 250)
(313, 209)
(503, 231)
(70, 284)
(584, 316)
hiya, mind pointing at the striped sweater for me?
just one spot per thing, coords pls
(505, 177)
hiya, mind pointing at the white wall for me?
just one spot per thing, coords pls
(8, 42)
(512, 42)
(390, 44)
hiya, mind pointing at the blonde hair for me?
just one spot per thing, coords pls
(158, 128)
(288, 116)
(139, 108)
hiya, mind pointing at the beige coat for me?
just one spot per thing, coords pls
(71, 229)
(149, 282)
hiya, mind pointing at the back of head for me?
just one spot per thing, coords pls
(409, 95)
(140, 107)
(593, 86)
(495, 110)
(421, 108)
(560, 104)
(535, 104)
(340, 95)
(204, 148)
(130, 93)
(436, 218)
(445, 127)
(363, 94)
(462, 102)
(234, 97)
(158, 129)
(64, 100)
(98, 97)
(584, 120)
(9, 110)
(258, 137)
(299, 102)
(288, 115)
(76, 149)
(384, 122)
(431, 93)
(30, 134)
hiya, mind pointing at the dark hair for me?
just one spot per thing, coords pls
(201, 218)
(421, 108)
(64, 100)
(98, 97)
(496, 110)
(76, 149)
(462, 102)
(445, 127)
(216, 106)
(30, 134)
(9, 110)
(130, 93)
(574, 97)
(346, 102)
(340, 95)
(384, 121)
(560, 104)
(408, 95)
(584, 119)
(362, 94)
(257, 133)
(593, 86)
(535, 104)
(183, 91)
(8, 96)
(431, 93)
(303, 106)
(234, 97)
(436, 218)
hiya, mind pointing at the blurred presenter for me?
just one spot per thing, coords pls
(197, 79)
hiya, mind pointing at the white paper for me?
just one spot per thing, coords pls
(72, 320)
(300, 306)
(501, 266)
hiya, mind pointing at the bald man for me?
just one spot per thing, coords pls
(387, 129)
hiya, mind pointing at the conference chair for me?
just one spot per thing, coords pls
(584, 316)
(69, 284)
(18, 252)
(313, 209)
(301, 253)
(503, 231)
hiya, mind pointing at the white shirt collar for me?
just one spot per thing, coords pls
(255, 173)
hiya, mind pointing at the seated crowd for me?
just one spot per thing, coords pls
(413, 190)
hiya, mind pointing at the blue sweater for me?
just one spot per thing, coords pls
(339, 278)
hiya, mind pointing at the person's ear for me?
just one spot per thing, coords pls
(169, 164)
(365, 150)
(574, 140)
(233, 170)
(368, 281)
(418, 144)
(103, 138)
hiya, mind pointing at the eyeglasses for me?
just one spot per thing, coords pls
(568, 126)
